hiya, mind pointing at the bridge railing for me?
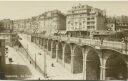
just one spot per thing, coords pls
(93, 42)
(116, 45)
(96, 42)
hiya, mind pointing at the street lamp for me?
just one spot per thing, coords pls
(10, 61)
(35, 58)
(101, 44)
(125, 41)
(45, 65)
(27, 50)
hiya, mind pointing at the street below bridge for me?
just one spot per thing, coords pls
(53, 72)
(18, 66)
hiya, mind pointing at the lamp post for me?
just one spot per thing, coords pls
(125, 41)
(45, 66)
(35, 59)
(11, 61)
(27, 50)
(101, 44)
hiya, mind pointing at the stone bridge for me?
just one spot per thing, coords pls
(96, 60)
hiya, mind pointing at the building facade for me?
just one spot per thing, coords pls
(19, 25)
(6, 25)
(47, 23)
(85, 18)
(118, 23)
(52, 22)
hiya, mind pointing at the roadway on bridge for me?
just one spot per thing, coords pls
(57, 72)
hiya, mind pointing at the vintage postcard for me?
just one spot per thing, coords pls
(63, 40)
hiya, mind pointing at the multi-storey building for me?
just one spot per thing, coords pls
(52, 22)
(117, 23)
(6, 25)
(19, 25)
(33, 25)
(47, 23)
(83, 18)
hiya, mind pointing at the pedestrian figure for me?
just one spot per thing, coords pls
(30, 62)
(39, 78)
(53, 65)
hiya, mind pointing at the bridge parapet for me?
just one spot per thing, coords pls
(92, 42)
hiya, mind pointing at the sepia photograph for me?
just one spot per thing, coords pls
(63, 40)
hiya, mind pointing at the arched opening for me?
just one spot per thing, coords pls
(32, 38)
(42, 41)
(60, 51)
(38, 40)
(78, 60)
(67, 55)
(116, 68)
(54, 43)
(49, 45)
(45, 43)
(92, 66)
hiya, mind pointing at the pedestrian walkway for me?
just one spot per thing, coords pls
(20, 66)
(57, 72)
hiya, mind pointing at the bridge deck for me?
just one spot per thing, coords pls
(118, 46)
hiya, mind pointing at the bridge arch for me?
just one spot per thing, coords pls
(77, 60)
(60, 51)
(116, 68)
(54, 47)
(42, 41)
(67, 56)
(49, 45)
(92, 65)
(46, 41)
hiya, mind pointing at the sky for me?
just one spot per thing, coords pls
(27, 9)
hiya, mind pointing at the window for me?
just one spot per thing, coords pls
(92, 18)
(69, 22)
(92, 22)
(88, 18)
(76, 23)
(0, 44)
(92, 27)
(88, 27)
(111, 25)
(88, 23)
(80, 23)
(84, 22)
